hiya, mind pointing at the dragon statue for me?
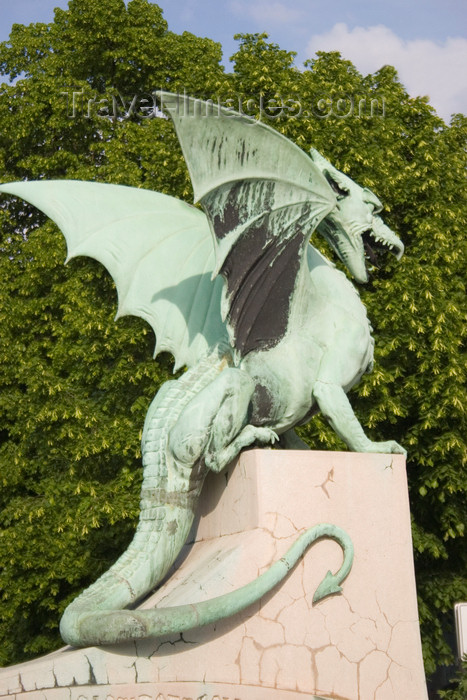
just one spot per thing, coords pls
(269, 330)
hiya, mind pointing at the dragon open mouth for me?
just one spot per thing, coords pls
(375, 246)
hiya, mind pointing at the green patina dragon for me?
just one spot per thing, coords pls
(269, 330)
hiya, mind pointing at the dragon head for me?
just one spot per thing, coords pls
(354, 229)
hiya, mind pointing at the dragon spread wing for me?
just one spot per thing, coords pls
(263, 197)
(158, 250)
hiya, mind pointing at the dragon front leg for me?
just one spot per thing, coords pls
(335, 406)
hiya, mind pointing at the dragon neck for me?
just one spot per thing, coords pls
(320, 284)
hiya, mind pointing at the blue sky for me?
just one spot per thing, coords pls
(426, 40)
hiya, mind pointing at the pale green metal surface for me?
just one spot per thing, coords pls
(264, 197)
(140, 624)
(355, 214)
(158, 250)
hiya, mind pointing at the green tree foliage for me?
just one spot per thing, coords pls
(458, 685)
(74, 386)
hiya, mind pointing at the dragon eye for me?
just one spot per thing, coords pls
(339, 190)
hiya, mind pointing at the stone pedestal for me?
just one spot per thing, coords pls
(361, 645)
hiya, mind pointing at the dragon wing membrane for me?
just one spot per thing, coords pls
(158, 250)
(264, 197)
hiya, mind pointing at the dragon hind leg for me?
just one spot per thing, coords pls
(213, 426)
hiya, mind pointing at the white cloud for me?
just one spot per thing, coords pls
(425, 67)
(266, 12)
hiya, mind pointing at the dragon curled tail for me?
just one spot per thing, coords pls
(170, 491)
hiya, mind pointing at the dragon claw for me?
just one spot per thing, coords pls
(388, 447)
(266, 435)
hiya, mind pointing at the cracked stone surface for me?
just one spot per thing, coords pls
(361, 645)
